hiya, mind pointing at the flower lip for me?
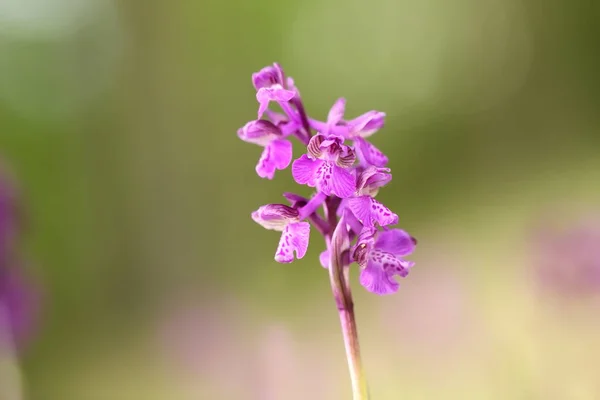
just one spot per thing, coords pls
(275, 216)
(260, 132)
(380, 256)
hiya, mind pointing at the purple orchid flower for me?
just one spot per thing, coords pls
(270, 85)
(380, 256)
(345, 190)
(295, 234)
(277, 153)
(326, 166)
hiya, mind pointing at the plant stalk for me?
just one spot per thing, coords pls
(343, 298)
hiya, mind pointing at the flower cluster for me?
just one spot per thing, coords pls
(346, 171)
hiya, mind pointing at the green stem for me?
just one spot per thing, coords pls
(343, 297)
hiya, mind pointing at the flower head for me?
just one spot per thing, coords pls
(380, 256)
(345, 189)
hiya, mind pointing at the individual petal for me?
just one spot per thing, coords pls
(304, 170)
(369, 153)
(260, 132)
(371, 179)
(366, 124)
(324, 259)
(274, 93)
(331, 179)
(268, 76)
(293, 239)
(275, 216)
(265, 168)
(368, 211)
(282, 153)
(314, 146)
(346, 157)
(377, 281)
(336, 113)
(343, 183)
(395, 241)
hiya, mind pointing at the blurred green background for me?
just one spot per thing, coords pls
(119, 119)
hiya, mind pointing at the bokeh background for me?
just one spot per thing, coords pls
(118, 128)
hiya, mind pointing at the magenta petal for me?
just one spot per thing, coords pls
(304, 170)
(293, 239)
(368, 211)
(367, 124)
(337, 112)
(332, 179)
(376, 280)
(369, 153)
(282, 150)
(395, 241)
(268, 76)
(273, 93)
(276, 155)
(266, 166)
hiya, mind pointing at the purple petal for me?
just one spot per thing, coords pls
(369, 153)
(282, 150)
(275, 216)
(332, 179)
(367, 124)
(395, 241)
(293, 239)
(314, 146)
(324, 259)
(344, 184)
(304, 170)
(378, 275)
(260, 132)
(337, 112)
(377, 281)
(273, 93)
(368, 211)
(371, 179)
(268, 76)
(276, 155)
